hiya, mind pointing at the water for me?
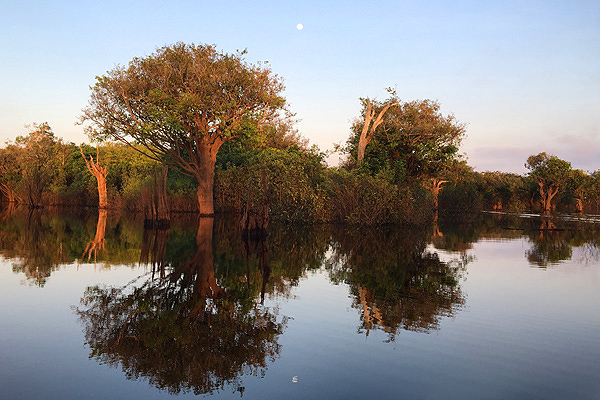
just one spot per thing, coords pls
(494, 308)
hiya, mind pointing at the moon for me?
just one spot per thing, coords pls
(299, 27)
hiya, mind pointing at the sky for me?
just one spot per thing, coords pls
(523, 75)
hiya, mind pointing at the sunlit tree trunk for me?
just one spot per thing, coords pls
(368, 130)
(435, 188)
(10, 194)
(579, 201)
(546, 196)
(100, 174)
(204, 171)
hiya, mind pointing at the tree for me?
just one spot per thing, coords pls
(99, 173)
(502, 190)
(414, 139)
(435, 188)
(10, 173)
(551, 174)
(181, 104)
(36, 158)
(578, 184)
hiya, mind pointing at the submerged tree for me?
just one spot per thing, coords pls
(181, 104)
(551, 174)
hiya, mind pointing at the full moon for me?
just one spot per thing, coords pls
(299, 27)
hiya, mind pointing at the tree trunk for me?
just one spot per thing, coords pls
(102, 193)
(205, 160)
(364, 135)
(579, 196)
(436, 188)
(546, 197)
(154, 199)
(10, 195)
(100, 174)
(368, 130)
(579, 205)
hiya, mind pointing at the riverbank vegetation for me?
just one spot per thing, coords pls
(223, 129)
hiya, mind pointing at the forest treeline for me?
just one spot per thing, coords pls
(278, 169)
(191, 129)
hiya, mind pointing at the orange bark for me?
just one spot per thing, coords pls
(368, 130)
(99, 173)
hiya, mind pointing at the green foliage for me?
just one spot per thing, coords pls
(181, 104)
(359, 198)
(461, 198)
(293, 184)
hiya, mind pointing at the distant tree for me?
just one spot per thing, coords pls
(37, 162)
(501, 190)
(10, 173)
(594, 190)
(551, 174)
(181, 104)
(577, 185)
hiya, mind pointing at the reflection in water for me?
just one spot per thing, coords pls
(98, 242)
(549, 246)
(205, 314)
(395, 283)
(182, 331)
(33, 245)
(38, 242)
(553, 242)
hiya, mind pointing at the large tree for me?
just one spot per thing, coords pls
(181, 104)
(551, 174)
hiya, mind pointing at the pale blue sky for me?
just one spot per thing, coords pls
(524, 75)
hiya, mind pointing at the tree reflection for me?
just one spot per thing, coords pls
(97, 243)
(394, 281)
(182, 330)
(31, 241)
(38, 242)
(553, 242)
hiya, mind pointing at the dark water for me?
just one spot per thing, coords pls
(499, 307)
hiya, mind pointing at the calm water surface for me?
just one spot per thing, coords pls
(501, 307)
